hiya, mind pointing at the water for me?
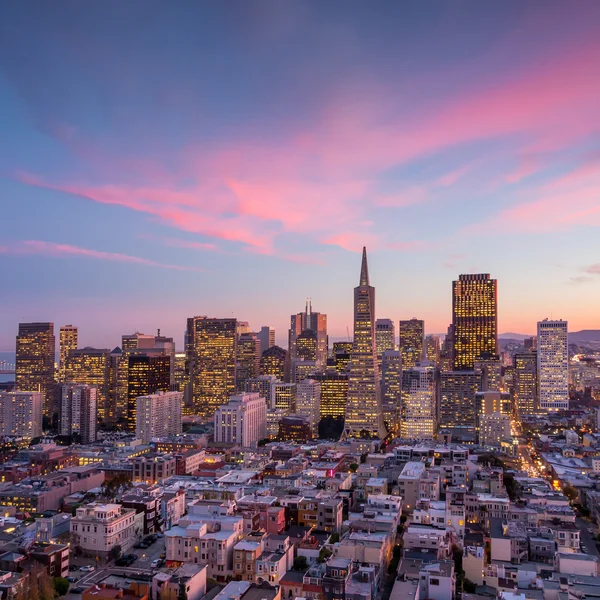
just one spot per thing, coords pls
(10, 358)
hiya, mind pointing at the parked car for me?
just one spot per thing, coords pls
(155, 563)
(73, 568)
(144, 545)
(138, 545)
(590, 530)
(70, 579)
(87, 568)
(77, 590)
(132, 557)
(598, 547)
(159, 535)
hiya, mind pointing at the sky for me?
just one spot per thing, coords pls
(164, 160)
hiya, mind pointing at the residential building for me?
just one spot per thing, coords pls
(79, 411)
(242, 421)
(158, 415)
(21, 414)
(411, 339)
(67, 342)
(153, 469)
(187, 581)
(553, 365)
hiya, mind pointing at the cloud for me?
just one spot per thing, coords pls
(51, 249)
(581, 279)
(593, 269)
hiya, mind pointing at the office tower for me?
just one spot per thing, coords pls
(553, 365)
(137, 341)
(248, 358)
(158, 415)
(213, 363)
(21, 414)
(306, 345)
(493, 411)
(295, 428)
(146, 374)
(79, 411)
(242, 327)
(91, 366)
(475, 319)
(391, 384)
(67, 342)
(340, 359)
(457, 410)
(334, 392)
(303, 369)
(490, 371)
(181, 375)
(316, 322)
(266, 336)
(242, 421)
(385, 336)
(363, 410)
(530, 343)
(432, 349)
(34, 369)
(447, 351)
(308, 402)
(418, 412)
(275, 361)
(263, 385)
(283, 396)
(411, 338)
(154, 343)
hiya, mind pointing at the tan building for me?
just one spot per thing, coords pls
(245, 555)
(67, 342)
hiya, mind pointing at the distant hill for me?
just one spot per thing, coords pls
(585, 335)
(514, 336)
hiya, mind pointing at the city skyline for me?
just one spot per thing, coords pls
(445, 145)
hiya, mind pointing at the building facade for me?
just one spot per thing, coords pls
(21, 414)
(553, 365)
(242, 421)
(158, 415)
(68, 339)
(418, 414)
(79, 411)
(411, 338)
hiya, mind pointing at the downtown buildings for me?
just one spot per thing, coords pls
(67, 341)
(158, 415)
(78, 411)
(21, 414)
(553, 365)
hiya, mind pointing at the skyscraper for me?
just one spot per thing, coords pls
(553, 365)
(391, 384)
(385, 336)
(432, 349)
(342, 352)
(21, 414)
(308, 402)
(457, 409)
(334, 392)
(213, 363)
(411, 337)
(418, 413)
(242, 421)
(248, 358)
(275, 361)
(34, 368)
(474, 319)
(266, 336)
(363, 411)
(79, 411)
(314, 321)
(67, 342)
(158, 415)
(525, 384)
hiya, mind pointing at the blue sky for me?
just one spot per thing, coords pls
(159, 161)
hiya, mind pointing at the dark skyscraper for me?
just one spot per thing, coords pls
(34, 368)
(363, 411)
(474, 319)
(248, 358)
(313, 321)
(275, 361)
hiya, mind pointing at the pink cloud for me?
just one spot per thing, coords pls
(37, 247)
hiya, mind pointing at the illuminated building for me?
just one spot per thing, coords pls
(91, 366)
(530, 343)
(418, 412)
(295, 428)
(67, 342)
(334, 393)
(447, 351)
(213, 363)
(457, 409)
(303, 369)
(432, 349)
(489, 407)
(158, 415)
(316, 322)
(494, 429)
(342, 352)
(79, 411)
(266, 336)
(308, 402)
(283, 396)
(263, 385)
(275, 361)
(391, 384)
(248, 358)
(363, 410)
(553, 365)
(21, 414)
(242, 421)
(474, 319)
(34, 368)
(385, 336)
(146, 374)
(306, 346)
(411, 336)
(181, 375)
(490, 371)
(242, 327)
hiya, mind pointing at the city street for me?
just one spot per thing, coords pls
(587, 539)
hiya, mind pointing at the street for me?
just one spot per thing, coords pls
(587, 539)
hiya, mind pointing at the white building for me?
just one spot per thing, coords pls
(158, 415)
(79, 411)
(553, 365)
(21, 414)
(96, 528)
(494, 429)
(417, 420)
(242, 421)
(308, 402)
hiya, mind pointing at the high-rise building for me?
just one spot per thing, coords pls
(342, 353)
(553, 365)
(530, 343)
(474, 319)
(308, 402)
(432, 349)
(303, 369)
(490, 371)
(363, 411)
(295, 428)
(68, 339)
(248, 358)
(316, 322)
(275, 361)
(21, 414)
(411, 338)
(91, 366)
(34, 369)
(334, 392)
(525, 383)
(385, 336)
(79, 411)
(306, 345)
(457, 409)
(213, 363)
(158, 415)
(266, 335)
(146, 374)
(493, 410)
(391, 384)
(418, 413)
(283, 396)
(243, 420)
(447, 351)
(264, 386)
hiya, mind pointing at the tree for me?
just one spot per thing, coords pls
(570, 492)
(300, 563)
(334, 537)
(511, 486)
(353, 468)
(115, 552)
(469, 587)
(324, 554)
(61, 585)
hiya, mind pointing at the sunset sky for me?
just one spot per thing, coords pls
(161, 160)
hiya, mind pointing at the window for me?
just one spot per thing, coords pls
(434, 582)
